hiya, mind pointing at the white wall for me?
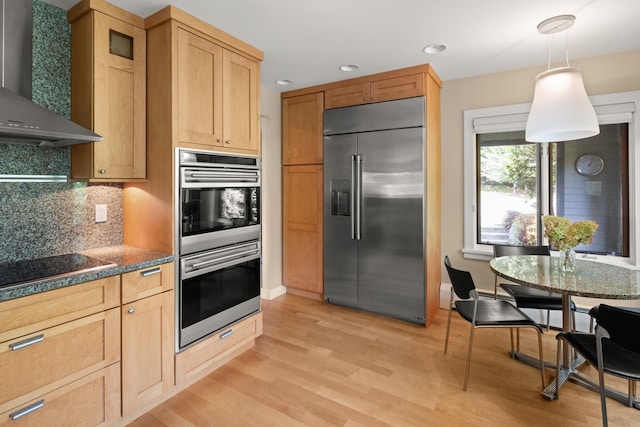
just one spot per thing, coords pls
(271, 194)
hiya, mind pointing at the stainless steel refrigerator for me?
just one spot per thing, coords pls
(374, 221)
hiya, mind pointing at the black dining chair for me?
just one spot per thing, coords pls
(593, 314)
(525, 296)
(614, 349)
(484, 313)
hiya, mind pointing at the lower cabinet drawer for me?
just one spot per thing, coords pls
(36, 364)
(93, 400)
(216, 350)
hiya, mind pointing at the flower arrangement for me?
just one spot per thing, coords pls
(564, 234)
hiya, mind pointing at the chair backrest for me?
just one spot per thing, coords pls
(506, 250)
(623, 326)
(461, 280)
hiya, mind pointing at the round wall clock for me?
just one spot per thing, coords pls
(589, 164)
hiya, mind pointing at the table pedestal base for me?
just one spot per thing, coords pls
(573, 375)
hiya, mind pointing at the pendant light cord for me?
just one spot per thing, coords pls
(550, 45)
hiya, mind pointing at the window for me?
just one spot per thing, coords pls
(507, 182)
(510, 183)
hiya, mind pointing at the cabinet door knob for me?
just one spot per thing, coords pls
(366, 99)
(130, 311)
(218, 140)
(373, 99)
(228, 141)
(102, 171)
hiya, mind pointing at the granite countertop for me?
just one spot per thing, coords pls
(125, 258)
(590, 279)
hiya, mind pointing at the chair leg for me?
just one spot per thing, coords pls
(548, 320)
(513, 348)
(558, 362)
(544, 380)
(466, 371)
(603, 396)
(446, 340)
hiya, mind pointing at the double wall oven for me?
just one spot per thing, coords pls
(218, 241)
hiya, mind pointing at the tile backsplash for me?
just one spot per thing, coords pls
(49, 218)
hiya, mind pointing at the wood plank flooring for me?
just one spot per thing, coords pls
(324, 365)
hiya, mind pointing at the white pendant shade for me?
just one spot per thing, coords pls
(561, 110)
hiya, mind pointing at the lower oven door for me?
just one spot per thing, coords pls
(217, 288)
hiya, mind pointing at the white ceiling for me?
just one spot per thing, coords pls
(306, 41)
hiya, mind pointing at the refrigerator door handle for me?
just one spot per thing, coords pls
(358, 198)
(352, 198)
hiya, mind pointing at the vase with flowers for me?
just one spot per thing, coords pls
(564, 235)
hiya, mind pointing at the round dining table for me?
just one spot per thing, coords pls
(589, 279)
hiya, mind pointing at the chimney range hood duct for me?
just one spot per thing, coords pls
(21, 120)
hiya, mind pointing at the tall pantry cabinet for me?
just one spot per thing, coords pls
(302, 272)
(302, 147)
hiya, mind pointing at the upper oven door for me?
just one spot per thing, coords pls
(218, 207)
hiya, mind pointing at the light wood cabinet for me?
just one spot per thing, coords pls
(199, 90)
(302, 196)
(147, 335)
(217, 93)
(302, 129)
(54, 341)
(366, 92)
(90, 401)
(147, 281)
(207, 355)
(108, 91)
(147, 350)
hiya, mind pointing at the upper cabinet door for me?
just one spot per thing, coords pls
(397, 88)
(353, 94)
(302, 129)
(199, 90)
(109, 96)
(240, 103)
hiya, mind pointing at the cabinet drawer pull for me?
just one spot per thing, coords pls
(27, 410)
(102, 171)
(131, 311)
(226, 334)
(150, 272)
(27, 342)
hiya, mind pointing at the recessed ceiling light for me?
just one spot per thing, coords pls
(348, 68)
(432, 49)
(283, 82)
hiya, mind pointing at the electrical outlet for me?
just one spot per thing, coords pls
(101, 213)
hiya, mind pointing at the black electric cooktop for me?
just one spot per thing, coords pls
(31, 270)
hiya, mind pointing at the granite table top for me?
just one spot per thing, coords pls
(125, 259)
(590, 279)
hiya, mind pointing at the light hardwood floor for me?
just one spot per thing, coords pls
(324, 365)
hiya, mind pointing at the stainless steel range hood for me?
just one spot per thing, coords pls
(21, 120)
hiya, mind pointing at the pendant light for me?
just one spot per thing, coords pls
(561, 110)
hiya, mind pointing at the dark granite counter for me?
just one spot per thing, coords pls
(125, 258)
